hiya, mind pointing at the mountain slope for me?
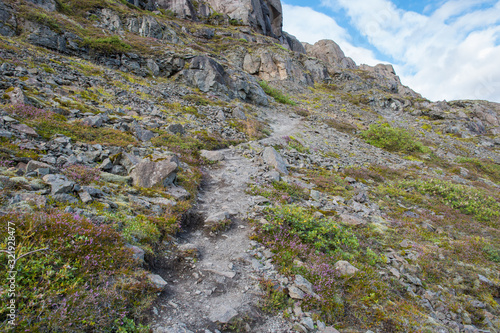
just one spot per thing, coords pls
(144, 142)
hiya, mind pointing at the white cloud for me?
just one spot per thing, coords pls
(310, 26)
(450, 52)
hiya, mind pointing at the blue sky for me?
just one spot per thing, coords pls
(447, 49)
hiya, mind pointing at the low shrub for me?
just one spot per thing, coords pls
(26, 111)
(393, 139)
(466, 199)
(83, 175)
(326, 235)
(82, 280)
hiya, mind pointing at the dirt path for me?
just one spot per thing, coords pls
(222, 283)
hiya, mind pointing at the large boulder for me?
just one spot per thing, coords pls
(274, 159)
(149, 173)
(329, 52)
(207, 75)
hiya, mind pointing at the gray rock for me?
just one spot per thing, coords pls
(331, 54)
(353, 220)
(59, 184)
(217, 217)
(214, 156)
(176, 129)
(93, 121)
(22, 128)
(94, 192)
(149, 173)
(157, 281)
(274, 159)
(178, 193)
(222, 314)
(239, 113)
(177, 328)
(304, 285)
(207, 75)
(106, 165)
(328, 329)
(34, 165)
(118, 170)
(85, 197)
(16, 96)
(295, 292)
(308, 323)
(8, 21)
(138, 253)
(48, 5)
(345, 268)
(5, 134)
(65, 198)
(128, 161)
(142, 134)
(112, 178)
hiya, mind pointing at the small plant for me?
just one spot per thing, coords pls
(81, 174)
(219, 226)
(274, 298)
(393, 139)
(276, 94)
(492, 253)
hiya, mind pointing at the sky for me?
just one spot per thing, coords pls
(444, 49)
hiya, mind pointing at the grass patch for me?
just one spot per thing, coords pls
(79, 132)
(276, 94)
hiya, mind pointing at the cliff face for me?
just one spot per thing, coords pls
(265, 16)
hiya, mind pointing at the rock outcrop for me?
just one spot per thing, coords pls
(329, 52)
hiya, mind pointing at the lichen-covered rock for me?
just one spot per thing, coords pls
(150, 173)
(274, 159)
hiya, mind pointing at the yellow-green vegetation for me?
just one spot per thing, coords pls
(276, 94)
(482, 167)
(468, 200)
(188, 147)
(79, 132)
(280, 191)
(107, 45)
(393, 139)
(310, 246)
(74, 275)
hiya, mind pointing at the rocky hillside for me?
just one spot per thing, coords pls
(187, 166)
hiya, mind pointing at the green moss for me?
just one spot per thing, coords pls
(107, 45)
